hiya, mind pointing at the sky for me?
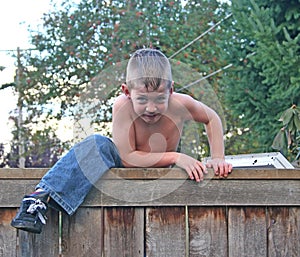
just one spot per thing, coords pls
(15, 17)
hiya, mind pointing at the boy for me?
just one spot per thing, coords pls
(148, 119)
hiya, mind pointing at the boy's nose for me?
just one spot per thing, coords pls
(151, 107)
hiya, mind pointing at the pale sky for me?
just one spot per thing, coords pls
(15, 16)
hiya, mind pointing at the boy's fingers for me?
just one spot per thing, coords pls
(192, 174)
(208, 165)
(202, 167)
(223, 170)
(197, 171)
(227, 169)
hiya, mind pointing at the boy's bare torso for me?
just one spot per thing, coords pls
(162, 136)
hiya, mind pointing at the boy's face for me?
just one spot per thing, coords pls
(148, 104)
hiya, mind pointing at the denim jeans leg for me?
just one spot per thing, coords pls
(71, 178)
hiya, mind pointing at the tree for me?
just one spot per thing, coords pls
(29, 148)
(264, 80)
(89, 43)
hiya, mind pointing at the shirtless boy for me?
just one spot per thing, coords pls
(148, 120)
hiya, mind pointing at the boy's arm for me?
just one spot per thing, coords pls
(214, 129)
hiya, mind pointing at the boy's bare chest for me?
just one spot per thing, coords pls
(160, 137)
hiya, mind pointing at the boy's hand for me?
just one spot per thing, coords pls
(194, 168)
(220, 167)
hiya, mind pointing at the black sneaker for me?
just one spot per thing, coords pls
(31, 216)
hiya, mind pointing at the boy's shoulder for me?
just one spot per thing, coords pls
(185, 105)
(121, 100)
(122, 103)
(181, 99)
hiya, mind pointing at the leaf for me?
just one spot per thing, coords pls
(279, 141)
(286, 117)
(297, 121)
(286, 34)
(291, 125)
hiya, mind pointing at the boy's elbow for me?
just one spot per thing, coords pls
(126, 161)
(126, 164)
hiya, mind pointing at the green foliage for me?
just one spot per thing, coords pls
(287, 139)
(83, 43)
(265, 79)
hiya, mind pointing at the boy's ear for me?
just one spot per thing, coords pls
(172, 88)
(125, 90)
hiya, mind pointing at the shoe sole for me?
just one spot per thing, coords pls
(25, 227)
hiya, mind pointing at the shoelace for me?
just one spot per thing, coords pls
(36, 206)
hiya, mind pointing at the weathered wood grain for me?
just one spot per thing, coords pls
(8, 235)
(177, 173)
(210, 193)
(26, 173)
(165, 193)
(165, 232)
(284, 231)
(82, 233)
(207, 231)
(45, 244)
(123, 232)
(247, 235)
(13, 191)
(158, 173)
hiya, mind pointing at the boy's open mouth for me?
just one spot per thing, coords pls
(150, 117)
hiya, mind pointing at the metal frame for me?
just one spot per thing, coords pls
(260, 160)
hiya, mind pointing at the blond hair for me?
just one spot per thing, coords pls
(150, 68)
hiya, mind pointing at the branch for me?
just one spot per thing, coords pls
(7, 85)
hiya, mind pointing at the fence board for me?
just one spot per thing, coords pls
(165, 232)
(124, 232)
(8, 235)
(271, 187)
(284, 232)
(161, 173)
(247, 232)
(208, 231)
(13, 191)
(82, 233)
(214, 193)
(45, 244)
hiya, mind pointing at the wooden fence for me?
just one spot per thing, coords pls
(159, 212)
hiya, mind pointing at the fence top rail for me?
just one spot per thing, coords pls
(170, 187)
(160, 173)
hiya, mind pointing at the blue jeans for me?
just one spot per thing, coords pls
(72, 177)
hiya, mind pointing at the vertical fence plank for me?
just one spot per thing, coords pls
(45, 244)
(247, 232)
(8, 235)
(208, 231)
(124, 232)
(284, 231)
(81, 233)
(165, 232)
